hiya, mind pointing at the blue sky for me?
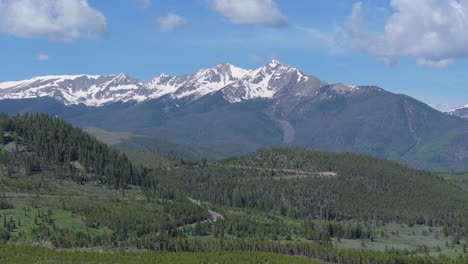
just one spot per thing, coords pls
(416, 47)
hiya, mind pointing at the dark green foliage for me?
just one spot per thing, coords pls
(45, 143)
(324, 186)
(128, 220)
(4, 204)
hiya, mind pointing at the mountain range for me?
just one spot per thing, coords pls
(226, 111)
(98, 90)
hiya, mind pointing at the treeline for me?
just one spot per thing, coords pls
(41, 143)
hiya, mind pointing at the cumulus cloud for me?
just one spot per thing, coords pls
(170, 22)
(434, 32)
(63, 20)
(42, 57)
(250, 12)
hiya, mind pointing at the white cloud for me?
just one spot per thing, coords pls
(432, 31)
(42, 57)
(250, 12)
(434, 63)
(170, 22)
(63, 20)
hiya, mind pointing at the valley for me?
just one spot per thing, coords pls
(317, 205)
(234, 131)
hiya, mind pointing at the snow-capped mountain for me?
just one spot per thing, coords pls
(272, 80)
(460, 112)
(91, 90)
(196, 85)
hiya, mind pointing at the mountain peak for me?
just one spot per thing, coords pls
(235, 71)
(163, 75)
(120, 77)
(270, 81)
(274, 63)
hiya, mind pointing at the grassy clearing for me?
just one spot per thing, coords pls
(28, 219)
(420, 238)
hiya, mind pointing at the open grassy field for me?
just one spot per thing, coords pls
(422, 239)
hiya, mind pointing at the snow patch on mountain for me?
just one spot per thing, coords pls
(203, 82)
(342, 88)
(91, 90)
(264, 82)
(207, 81)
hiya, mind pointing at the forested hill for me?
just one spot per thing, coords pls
(39, 143)
(344, 163)
(300, 183)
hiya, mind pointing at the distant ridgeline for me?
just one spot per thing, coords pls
(39, 144)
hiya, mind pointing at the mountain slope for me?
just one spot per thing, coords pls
(42, 144)
(382, 124)
(132, 142)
